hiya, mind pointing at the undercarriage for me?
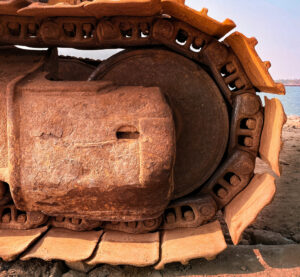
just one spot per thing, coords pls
(137, 153)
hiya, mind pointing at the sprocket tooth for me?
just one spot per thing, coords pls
(177, 1)
(117, 248)
(199, 20)
(244, 208)
(255, 68)
(204, 11)
(270, 144)
(62, 244)
(183, 245)
(268, 64)
(15, 242)
(253, 41)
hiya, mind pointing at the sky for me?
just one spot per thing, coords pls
(275, 24)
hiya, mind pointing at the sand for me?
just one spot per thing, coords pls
(283, 215)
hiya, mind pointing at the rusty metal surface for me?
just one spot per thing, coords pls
(13, 63)
(244, 208)
(237, 169)
(75, 224)
(256, 69)
(222, 63)
(183, 245)
(146, 64)
(123, 32)
(109, 165)
(15, 242)
(119, 248)
(198, 19)
(10, 7)
(134, 227)
(98, 8)
(231, 177)
(271, 141)
(66, 245)
(189, 212)
(101, 154)
(200, 146)
(11, 218)
(246, 123)
(102, 8)
(72, 69)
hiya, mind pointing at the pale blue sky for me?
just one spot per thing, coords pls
(275, 23)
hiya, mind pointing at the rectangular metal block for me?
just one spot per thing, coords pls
(66, 245)
(183, 245)
(90, 150)
(245, 207)
(117, 248)
(15, 242)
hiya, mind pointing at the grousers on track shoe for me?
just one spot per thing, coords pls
(128, 160)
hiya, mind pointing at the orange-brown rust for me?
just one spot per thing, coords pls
(199, 20)
(15, 242)
(255, 68)
(271, 143)
(100, 8)
(106, 146)
(117, 248)
(97, 8)
(231, 177)
(57, 9)
(246, 123)
(10, 7)
(183, 245)
(189, 212)
(11, 218)
(84, 153)
(186, 93)
(62, 244)
(243, 210)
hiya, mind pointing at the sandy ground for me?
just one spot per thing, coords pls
(283, 215)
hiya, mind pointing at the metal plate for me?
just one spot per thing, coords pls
(90, 150)
(245, 207)
(66, 245)
(271, 142)
(15, 242)
(183, 245)
(118, 248)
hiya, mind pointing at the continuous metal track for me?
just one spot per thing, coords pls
(198, 206)
(247, 117)
(203, 49)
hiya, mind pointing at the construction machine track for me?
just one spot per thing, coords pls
(179, 38)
